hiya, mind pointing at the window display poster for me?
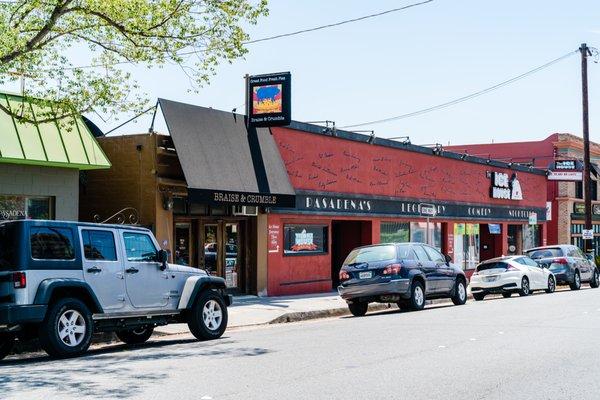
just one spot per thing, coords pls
(305, 239)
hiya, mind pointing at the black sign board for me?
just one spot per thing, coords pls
(269, 100)
(344, 204)
(566, 165)
(224, 197)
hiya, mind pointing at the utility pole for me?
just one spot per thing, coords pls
(585, 52)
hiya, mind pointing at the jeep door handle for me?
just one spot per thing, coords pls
(94, 270)
(132, 270)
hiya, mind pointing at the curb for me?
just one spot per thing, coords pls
(341, 311)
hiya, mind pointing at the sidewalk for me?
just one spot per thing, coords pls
(253, 310)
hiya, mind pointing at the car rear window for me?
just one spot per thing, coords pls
(545, 253)
(50, 243)
(492, 265)
(8, 247)
(371, 254)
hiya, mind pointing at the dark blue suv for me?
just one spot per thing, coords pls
(402, 273)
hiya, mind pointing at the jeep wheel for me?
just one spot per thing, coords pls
(135, 336)
(67, 328)
(208, 317)
(7, 340)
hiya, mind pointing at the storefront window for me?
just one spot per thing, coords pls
(418, 233)
(466, 245)
(394, 232)
(25, 207)
(304, 239)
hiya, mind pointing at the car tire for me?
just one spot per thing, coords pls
(7, 341)
(525, 288)
(551, 285)
(478, 296)
(208, 316)
(506, 295)
(595, 282)
(67, 329)
(460, 293)
(358, 308)
(417, 296)
(135, 336)
(576, 284)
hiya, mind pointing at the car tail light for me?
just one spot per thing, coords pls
(19, 280)
(392, 269)
(560, 260)
(344, 276)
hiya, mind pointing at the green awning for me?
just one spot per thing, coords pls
(67, 143)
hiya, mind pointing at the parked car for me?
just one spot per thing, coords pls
(569, 264)
(63, 281)
(508, 275)
(403, 273)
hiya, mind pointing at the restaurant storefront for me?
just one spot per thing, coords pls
(352, 190)
(275, 211)
(40, 164)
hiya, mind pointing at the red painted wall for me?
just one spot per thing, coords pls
(286, 274)
(329, 164)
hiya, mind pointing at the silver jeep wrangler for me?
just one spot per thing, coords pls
(64, 281)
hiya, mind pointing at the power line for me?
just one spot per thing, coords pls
(300, 32)
(464, 98)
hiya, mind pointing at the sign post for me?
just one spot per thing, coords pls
(429, 211)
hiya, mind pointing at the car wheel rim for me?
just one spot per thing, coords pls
(71, 328)
(212, 315)
(139, 331)
(577, 280)
(461, 291)
(551, 284)
(525, 286)
(418, 295)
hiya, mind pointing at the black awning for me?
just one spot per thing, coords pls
(223, 161)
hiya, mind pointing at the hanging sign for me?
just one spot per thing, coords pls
(533, 219)
(269, 100)
(565, 170)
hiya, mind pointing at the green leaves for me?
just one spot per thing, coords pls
(37, 37)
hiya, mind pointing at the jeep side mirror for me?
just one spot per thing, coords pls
(162, 257)
(448, 258)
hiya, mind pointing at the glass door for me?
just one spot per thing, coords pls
(232, 255)
(182, 244)
(210, 247)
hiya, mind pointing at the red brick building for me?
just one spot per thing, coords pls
(276, 210)
(565, 197)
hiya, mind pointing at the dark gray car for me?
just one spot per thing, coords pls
(402, 273)
(568, 263)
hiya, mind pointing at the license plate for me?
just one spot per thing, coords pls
(365, 275)
(490, 278)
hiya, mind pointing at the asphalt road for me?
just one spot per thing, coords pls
(538, 347)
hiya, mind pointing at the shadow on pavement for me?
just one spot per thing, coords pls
(113, 371)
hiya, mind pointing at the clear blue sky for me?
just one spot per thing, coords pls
(413, 59)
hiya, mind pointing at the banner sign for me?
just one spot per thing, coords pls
(269, 101)
(348, 204)
(224, 197)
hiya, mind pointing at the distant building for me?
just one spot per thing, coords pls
(565, 197)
